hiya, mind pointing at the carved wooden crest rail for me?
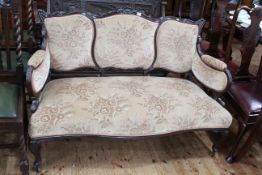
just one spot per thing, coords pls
(148, 7)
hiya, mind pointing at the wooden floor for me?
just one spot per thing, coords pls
(180, 154)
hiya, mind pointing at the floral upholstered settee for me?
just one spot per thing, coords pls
(104, 79)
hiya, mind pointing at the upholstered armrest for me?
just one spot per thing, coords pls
(37, 72)
(211, 72)
(214, 62)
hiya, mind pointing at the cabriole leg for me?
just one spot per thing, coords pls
(241, 132)
(219, 142)
(35, 148)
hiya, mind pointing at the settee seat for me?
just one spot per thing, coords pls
(124, 106)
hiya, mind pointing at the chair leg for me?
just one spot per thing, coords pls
(24, 164)
(254, 133)
(221, 137)
(242, 129)
(35, 148)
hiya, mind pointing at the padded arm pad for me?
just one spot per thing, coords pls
(36, 59)
(214, 62)
(38, 70)
(211, 72)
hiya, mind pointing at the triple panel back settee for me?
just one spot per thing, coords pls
(99, 76)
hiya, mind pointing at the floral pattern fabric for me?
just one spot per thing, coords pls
(40, 62)
(70, 41)
(176, 46)
(124, 106)
(125, 41)
(37, 58)
(214, 62)
(213, 79)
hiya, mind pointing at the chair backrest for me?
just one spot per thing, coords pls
(69, 40)
(194, 9)
(13, 76)
(121, 41)
(250, 38)
(8, 34)
(219, 25)
(5, 45)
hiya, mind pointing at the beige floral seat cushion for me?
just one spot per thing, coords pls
(124, 106)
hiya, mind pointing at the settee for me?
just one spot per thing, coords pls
(106, 77)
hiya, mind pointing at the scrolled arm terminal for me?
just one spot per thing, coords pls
(38, 71)
(212, 73)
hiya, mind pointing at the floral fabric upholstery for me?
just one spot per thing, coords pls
(214, 62)
(176, 46)
(70, 41)
(40, 62)
(213, 79)
(125, 41)
(124, 106)
(37, 58)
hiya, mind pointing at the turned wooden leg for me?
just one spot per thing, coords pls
(220, 137)
(30, 42)
(24, 164)
(35, 148)
(242, 129)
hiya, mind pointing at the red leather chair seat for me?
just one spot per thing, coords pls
(248, 95)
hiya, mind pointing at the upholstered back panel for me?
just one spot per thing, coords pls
(70, 41)
(125, 41)
(176, 46)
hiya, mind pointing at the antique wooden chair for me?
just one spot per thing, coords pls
(250, 39)
(12, 95)
(194, 9)
(27, 43)
(219, 27)
(255, 132)
(245, 93)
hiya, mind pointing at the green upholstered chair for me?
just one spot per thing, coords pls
(12, 94)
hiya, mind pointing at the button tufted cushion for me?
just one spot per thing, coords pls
(124, 106)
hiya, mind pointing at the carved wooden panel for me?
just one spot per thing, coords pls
(149, 7)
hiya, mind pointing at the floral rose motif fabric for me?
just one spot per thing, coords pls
(214, 62)
(40, 61)
(124, 106)
(37, 58)
(176, 46)
(125, 41)
(70, 41)
(214, 79)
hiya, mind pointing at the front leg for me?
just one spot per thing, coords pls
(35, 148)
(219, 139)
(24, 165)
